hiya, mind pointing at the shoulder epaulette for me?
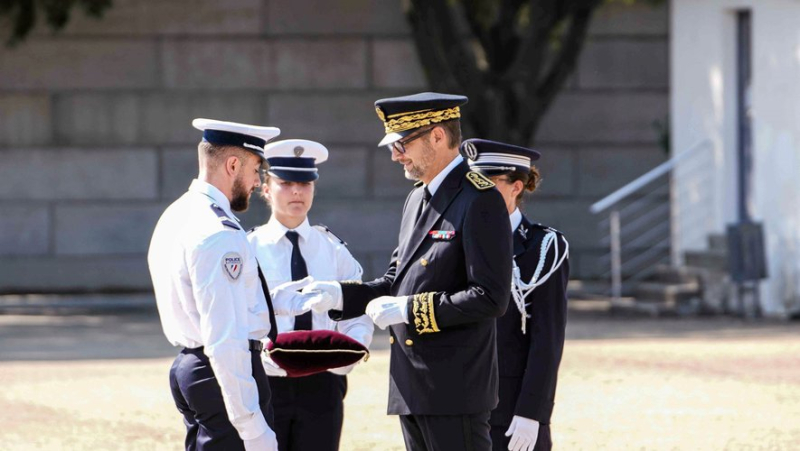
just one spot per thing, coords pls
(324, 228)
(545, 228)
(418, 183)
(479, 181)
(223, 218)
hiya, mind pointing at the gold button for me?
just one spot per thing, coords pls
(391, 340)
(409, 342)
(423, 262)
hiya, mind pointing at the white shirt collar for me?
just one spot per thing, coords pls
(516, 219)
(437, 181)
(275, 230)
(199, 186)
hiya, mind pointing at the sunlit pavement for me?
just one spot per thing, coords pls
(100, 382)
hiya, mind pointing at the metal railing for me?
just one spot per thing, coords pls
(642, 223)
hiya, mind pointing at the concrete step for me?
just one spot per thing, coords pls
(711, 259)
(667, 293)
(672, 274)
(718, 242)
(629, 307)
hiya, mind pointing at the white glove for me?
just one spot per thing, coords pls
(388, 310)
(287, 300)
(523, 432)
(343, 370)
(270, 367)
(264, 442)
(333, 300)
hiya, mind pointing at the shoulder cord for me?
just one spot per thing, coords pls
(520, 289)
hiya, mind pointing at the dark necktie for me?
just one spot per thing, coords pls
(299, 271)
(426, 197)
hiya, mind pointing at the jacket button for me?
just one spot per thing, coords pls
(391, 340)
(409, 342)
(423, 262)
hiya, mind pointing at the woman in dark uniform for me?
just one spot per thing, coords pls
(530, 336)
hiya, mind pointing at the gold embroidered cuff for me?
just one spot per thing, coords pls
(424, 316)
(411, 121)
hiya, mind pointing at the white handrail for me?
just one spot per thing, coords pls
(643, 180)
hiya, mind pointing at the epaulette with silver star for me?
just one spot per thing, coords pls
(324, 228)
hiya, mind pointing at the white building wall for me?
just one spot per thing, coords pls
(703, 107)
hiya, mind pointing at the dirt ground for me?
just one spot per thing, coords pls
(100, 382)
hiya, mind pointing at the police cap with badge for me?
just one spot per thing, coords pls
(401, 116)
(252, 138)
(295, 160)
(495, 158)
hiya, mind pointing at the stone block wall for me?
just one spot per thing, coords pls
(95, 133)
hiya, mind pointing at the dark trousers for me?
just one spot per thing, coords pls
(544, 441)
(197, 394)
(446, 432)
(309, 411)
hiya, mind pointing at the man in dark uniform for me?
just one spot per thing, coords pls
(448, 279)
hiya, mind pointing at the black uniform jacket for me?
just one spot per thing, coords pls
(529, 362)
(455, 264)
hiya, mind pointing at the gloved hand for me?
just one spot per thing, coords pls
(343, 370)
(270, 367)
(264, 442)
(388, 310)
(523, 432)
(287, 300)
(332, 301)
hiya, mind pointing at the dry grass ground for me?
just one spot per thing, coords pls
(81, 383)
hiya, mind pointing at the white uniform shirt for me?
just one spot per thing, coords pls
(326, 259)
(203, 303)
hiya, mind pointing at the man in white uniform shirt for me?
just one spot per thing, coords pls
(212, 299)
(308, 410)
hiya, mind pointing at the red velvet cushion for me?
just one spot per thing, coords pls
(305, 352)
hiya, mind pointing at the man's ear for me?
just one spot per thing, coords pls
(233, 165)
(438, 135)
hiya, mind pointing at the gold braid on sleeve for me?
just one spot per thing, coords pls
(424, 316)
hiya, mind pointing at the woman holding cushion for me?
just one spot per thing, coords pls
(530, 336)
(308, 410)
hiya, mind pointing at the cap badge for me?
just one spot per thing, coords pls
(299, 151)
(380, 114)
(470, 151)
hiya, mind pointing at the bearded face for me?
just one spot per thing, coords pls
(240, 195)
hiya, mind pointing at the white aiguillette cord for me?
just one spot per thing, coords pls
(520, 290)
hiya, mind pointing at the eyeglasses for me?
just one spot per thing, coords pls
(400, 145)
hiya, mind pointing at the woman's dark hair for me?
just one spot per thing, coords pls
(530, 181)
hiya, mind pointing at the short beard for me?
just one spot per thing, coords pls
(420, 168)
(240, 196)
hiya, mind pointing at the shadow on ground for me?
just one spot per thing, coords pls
(138, 335)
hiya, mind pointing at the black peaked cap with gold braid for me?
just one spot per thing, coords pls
(402, 115)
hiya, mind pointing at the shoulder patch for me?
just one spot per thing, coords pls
(232, 263)
(226, 221)
(479, 180)
(324, 228)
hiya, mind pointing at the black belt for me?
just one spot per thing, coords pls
(256, 345)
(253, 345)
